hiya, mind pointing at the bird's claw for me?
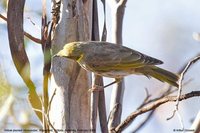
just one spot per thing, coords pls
(96, 88)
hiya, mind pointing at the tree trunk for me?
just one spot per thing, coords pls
(70, 108)
(117, 10)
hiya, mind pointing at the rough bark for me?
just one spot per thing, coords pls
(70, 107)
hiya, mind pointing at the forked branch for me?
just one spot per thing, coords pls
(152, 106)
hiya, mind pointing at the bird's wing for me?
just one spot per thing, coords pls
(114, 57)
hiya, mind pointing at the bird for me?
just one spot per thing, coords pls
(115, 61)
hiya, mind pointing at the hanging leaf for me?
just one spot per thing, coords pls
(19, 56)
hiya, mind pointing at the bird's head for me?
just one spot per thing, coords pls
(71, 50)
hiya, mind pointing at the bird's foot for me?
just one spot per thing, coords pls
(96, 88)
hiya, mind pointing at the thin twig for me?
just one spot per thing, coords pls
(168, 90)
(25, 33)
(34, 24)
(147, 101)
(98, 98)
(146, 98)
(182, 76)
(49, 107)
(4, 18)
(51, 99)
(143, 122)
(152, 106)
(46, 115)
(36, 40)
(180, 89)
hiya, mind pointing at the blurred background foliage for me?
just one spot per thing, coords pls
(3, 4)
(16, 113)
(14, 108)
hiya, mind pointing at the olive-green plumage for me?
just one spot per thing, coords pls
(115, 61)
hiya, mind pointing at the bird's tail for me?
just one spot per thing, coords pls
(162, 75)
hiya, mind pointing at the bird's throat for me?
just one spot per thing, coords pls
(80, 58)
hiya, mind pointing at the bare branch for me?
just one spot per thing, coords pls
(49, 107)
(180, 88)
(183, 74)
(152, 106)
(98, 98)
(143, 122)
(147, 101)
(4, 18)
(146, 98)
(96, 80)
(46, 114)
(25, 33)
(36, 40)
(51, 99)
(118, 8)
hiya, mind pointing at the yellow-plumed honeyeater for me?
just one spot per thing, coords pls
(115, 61)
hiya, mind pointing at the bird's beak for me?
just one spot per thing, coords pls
(55, 56)
(59, 54)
